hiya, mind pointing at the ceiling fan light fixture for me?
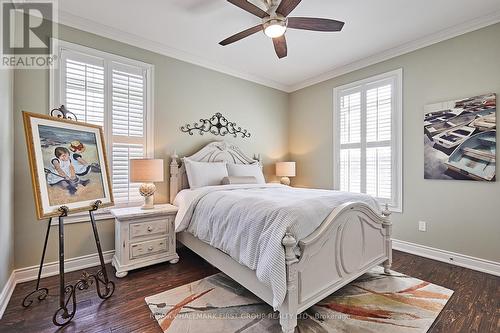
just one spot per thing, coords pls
(275, 30)
(275, 27)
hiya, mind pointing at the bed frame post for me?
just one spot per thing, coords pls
(174, 179)
(388, 241)
(289, 308)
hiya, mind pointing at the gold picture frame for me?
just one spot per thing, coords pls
(68, 164)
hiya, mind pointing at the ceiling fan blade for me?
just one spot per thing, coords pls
(280, 46)
(286, 7)
(315, 24)
(249, 7)
(241, 35)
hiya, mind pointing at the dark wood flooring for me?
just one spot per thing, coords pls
(474, 307)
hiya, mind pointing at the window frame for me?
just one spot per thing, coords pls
(396, 78)
(55, 100)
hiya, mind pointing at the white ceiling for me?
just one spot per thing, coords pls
(191, 30)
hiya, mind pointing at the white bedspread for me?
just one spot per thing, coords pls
(248, 222)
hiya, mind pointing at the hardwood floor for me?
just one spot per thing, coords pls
(474, 307)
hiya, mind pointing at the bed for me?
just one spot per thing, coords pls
(353, 238)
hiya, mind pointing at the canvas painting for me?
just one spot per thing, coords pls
(68, 164)
(460, 139)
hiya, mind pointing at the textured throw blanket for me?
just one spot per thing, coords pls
(248, 222)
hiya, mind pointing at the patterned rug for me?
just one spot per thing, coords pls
(375, 302)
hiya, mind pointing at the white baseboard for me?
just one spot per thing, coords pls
(477, 264)
(49, 269)
(70, 265)
(7, 291)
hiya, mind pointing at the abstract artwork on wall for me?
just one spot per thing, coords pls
(460, 139)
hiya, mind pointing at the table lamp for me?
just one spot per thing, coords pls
(285, 170)
(146, 171)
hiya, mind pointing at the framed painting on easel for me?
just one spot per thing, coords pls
(68, 164)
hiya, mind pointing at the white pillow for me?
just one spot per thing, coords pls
(204, 173)
(247, 170)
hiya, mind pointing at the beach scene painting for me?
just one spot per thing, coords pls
(71, 165)
(460, 139)
(68, 164)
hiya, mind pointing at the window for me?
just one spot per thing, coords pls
(368, 140)
(115, 93)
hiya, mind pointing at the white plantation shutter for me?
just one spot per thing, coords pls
(378, 172)
(378, 113)
(350, 118)
(350, 139)
(128, 104)
(368, 158)
(350, 170)
(83, 87)
(128, 131)
(378, 137)
(111, 92)
(123, 190)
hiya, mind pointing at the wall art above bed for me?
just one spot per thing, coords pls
(460, 139)
(217, 125)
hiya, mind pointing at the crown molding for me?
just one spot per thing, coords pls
(437, 37)
(144, 43)
(103, 30)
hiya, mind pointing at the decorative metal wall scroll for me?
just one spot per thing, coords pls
(217, 125)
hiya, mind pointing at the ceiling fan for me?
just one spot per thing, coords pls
(275, 22)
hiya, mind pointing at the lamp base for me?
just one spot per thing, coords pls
(148, 203)
(285, 181)
(147, 191)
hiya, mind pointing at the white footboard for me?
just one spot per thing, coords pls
(351, 241)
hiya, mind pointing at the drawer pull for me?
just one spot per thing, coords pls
(150, 248)
(150, 229)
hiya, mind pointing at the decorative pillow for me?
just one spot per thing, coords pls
(248, 170)
(239, 180)
(204, 173)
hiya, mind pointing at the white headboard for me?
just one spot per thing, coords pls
(217, 151)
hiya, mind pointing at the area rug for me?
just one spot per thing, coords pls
(375, 302)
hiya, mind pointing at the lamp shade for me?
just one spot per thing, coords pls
(146, 170)
(285, 169)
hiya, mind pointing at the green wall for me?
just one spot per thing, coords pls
(462, 216)
(6, 177)
(184, 93)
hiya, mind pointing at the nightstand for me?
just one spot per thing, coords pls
(143, 237)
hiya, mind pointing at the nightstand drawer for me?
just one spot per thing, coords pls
(141, 249)
(149, 228)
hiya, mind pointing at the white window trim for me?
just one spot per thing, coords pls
(397, 121)
(55, 101)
